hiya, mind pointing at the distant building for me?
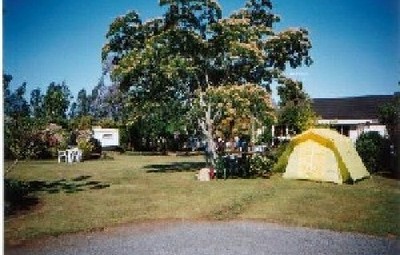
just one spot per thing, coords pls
(352, 116)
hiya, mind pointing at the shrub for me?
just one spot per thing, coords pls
(260, 165)
(373, 150)
(89, 147)
(219, 165)
(86, 146)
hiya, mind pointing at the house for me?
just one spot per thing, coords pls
(108, 137)
(352, 116)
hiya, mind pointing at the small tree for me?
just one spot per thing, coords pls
(373, 150)
(295, 107)
(299, 117)
(389, 115)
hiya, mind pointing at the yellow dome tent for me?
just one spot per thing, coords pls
(324, 155)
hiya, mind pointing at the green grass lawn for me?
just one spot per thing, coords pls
(98, 194)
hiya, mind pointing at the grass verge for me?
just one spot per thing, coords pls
(137, 188)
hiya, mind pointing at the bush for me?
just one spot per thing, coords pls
(86, 146)
(261, 165)
(91, 147)
(374, 151)
(96, 149)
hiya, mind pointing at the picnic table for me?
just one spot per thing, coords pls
(234, 165)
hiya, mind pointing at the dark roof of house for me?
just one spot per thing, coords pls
(364, 107)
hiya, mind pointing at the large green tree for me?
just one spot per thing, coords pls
(193, 48)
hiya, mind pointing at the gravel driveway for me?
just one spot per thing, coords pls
(234, 237)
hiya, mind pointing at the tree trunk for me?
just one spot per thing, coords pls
(207, 128)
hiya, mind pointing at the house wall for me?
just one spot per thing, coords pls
(108, 137)
(357, 127)
(354, 134)
(381, 129)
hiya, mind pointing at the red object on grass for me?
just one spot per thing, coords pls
(212, 173)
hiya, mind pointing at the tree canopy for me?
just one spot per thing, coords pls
(193, 48)
(237, 110)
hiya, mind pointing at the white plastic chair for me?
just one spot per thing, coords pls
(62, 155)
(77, 155)
(74, 155)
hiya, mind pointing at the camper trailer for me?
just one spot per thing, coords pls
(108, 137)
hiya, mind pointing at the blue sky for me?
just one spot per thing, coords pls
(355, 42)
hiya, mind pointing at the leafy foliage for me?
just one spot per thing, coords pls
(110, 102)
(24, 139)
(261, 165)
(160, 67)
(86, 146)
(299, 117)
(25, 134)
(237, 110)
(295, 107)
(389, 113)
(56, 102)
(82, 103)
(192, 47)
(374, 151)
(83, 122)
(36, 104)
(15, 104)
(281, 155)
(18, 126)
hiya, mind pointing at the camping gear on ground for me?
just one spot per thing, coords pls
(324, 155)
(204, 174)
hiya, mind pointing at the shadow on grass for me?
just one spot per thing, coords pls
(80, 183)
(389, 174)
(175, 167)
(22, 196)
